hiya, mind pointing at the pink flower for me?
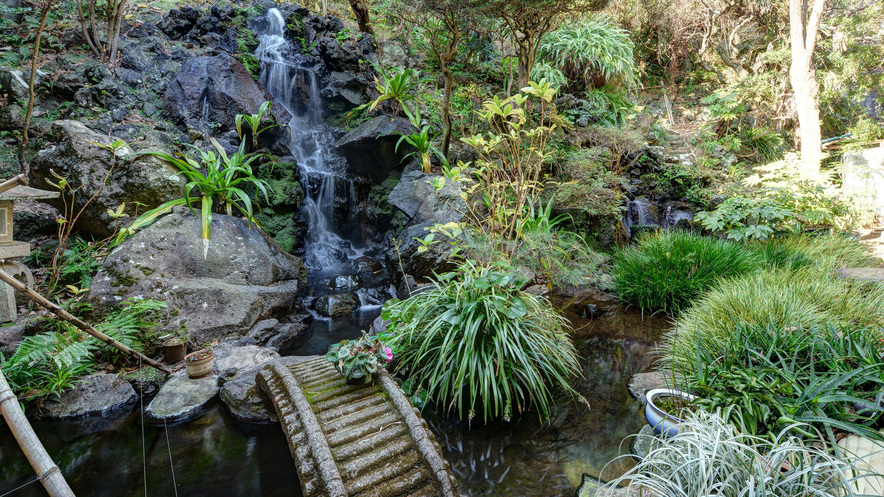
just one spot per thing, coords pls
(389, 353)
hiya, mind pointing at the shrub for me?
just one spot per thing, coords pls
(776, 298)
(668, 270)
(711, 457)
(477, 343)
(771, 377)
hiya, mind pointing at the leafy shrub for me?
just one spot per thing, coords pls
(711, 457)
(816, 199)
(359, 358)
(475, 342)
(777, 298)
(741, 218)
(771, 377)
(555, 256)
(668, 270)
(590, 185)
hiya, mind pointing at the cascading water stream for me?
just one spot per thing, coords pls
(287, 75)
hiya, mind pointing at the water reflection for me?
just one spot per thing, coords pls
(212, 457)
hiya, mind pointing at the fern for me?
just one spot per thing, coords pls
(48, 363)
(591, 53)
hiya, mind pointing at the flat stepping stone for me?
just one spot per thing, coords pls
(95, 395)
(642, 383)
(868, 456)
(241, 359)
(182, 398)
(862, 273)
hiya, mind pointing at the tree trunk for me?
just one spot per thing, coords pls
(360, 8)
(527, 56)
(445, 114)
(30, 111)
(802, 34)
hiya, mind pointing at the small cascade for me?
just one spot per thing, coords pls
(332, 240)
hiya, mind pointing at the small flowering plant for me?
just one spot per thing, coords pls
(356, 359)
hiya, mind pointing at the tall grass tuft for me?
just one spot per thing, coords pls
(478, 344)
(826, 252)
(668, 270)
(710, 457)
(778, 298)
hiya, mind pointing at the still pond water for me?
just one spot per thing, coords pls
(218, 457)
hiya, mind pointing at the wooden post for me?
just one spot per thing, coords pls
(50, 476)
(58, 311)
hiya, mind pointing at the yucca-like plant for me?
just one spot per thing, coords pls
(480, 346)
(590, 54)
(666, 271)
(711, 457)
(220, 187)
(254, 122)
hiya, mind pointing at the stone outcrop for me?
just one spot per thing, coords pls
(77, 157)
(370, 149)
(240, 278)
(94, 395)
(210, 91)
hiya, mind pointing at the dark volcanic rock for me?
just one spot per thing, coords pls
(246, 401)
(370, 148)
(95, 395)
(241, 277)
(210, 91)
(336, 305)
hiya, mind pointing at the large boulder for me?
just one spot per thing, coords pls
(131, 178)
(95, 395)
(210, 91)
(422, 207)
(370, 149)
(225, 288)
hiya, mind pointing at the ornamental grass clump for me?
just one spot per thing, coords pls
(481, 346)
(826, 252)
(711, 457)
(666, 271)
(777, 298)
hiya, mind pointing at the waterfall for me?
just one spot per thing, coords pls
(289, 77)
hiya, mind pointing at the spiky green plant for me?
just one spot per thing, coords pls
(827, 251)
(254, 122)
(668, 270)
(221, 185)
(710, 457)
(478, 344)
(589, 52)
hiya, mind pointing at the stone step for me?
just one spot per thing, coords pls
(324, 414)
(360, 445)
(342, 437)
(354, 419)
(396, 469)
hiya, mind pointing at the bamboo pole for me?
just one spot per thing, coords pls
(50, 476)
(21, 179)
(58, 311)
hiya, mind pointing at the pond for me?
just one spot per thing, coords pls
(214, 455)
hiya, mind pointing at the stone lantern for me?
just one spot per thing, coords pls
(11, 249)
